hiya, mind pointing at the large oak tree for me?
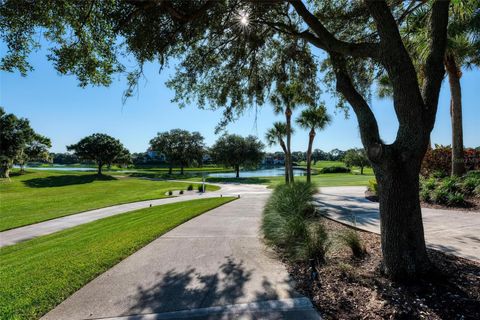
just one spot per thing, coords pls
(19, 143)
(232, 53)
(101, 148)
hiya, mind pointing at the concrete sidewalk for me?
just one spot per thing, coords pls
(211, 267)
(16, 235)
(451, 231)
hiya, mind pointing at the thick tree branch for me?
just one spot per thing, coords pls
(434, 70)
(407, 99)
(366, 119)
(328, 42)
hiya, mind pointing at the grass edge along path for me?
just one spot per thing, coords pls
(41, 196)
(37, 275)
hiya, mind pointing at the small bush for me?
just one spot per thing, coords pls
(181, 192)
(347, 270)
(351, 239)
(190, 187)
(170, 192)
(455, 199)
(469, 184)
(476, 192)
(202, 188)
(289, 223)
(425, 195)
(373, 186)
(428, 184)
(440, 196)
(438, 161)
(450, 184)
(316, 243)
(335, 169)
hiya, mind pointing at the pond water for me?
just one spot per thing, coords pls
(267, 172)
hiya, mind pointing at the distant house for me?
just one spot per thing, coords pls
(155, 156)
(276, 159)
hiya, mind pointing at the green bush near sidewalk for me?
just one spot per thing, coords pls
(290, 223)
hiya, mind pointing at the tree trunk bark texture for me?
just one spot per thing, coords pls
(237, 170)
(288, 116)
(401, 225)
(454, 74)
(5, 170)
(311, 137)
(99, 171)
(284, 148)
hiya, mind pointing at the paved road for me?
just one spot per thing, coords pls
(16, 235)
(211, 267)
(451, 231)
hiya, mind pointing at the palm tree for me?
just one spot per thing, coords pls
(285, 100)
(463, 47)
(313, 118)
(276, 135)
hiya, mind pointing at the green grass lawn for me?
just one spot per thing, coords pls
(42, 195)
(323, 163)
(37, 275)
(321, 180)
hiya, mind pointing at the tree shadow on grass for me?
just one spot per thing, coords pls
(65, 180)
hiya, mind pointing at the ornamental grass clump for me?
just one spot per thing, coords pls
(290, 223)
(352, 239)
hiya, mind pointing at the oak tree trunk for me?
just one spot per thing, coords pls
(181, 170)
(170, 168)
(237, 170)
(5, 170)
(401, 225)
(311, 137)
(99, 170)
(454, 74)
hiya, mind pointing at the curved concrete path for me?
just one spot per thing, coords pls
(16, 235)
(211, 267)
(451, 231)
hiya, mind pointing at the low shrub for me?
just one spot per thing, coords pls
(450, 191)
(316, 243)
(469, 184)
(290, 223)
(455, 199)
(170, 192)
(335, 169)
(438, 161)
(190, 188)
(181, 192)
(476, 192)
(373, 186)
(202, 188)
(351, 239)
(439, 196)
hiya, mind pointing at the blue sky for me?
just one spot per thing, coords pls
(61, 110)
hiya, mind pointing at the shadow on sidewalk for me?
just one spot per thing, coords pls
(192, 290)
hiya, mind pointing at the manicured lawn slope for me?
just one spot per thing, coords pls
(42, 195)
(320, 180)
(37, 275)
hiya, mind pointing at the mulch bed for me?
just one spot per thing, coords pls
(349, 288)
